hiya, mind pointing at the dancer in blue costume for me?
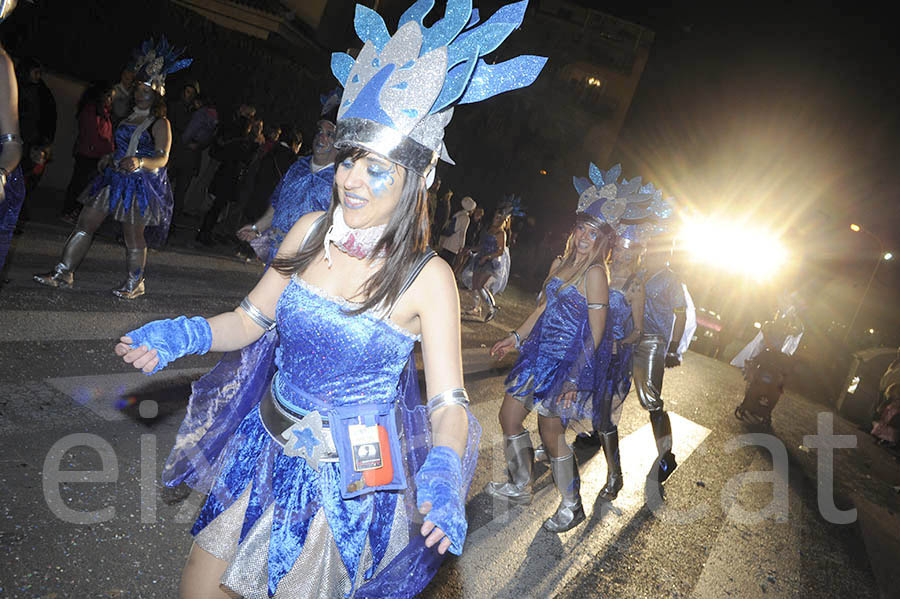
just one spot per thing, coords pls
(665, 317)
(320, 462)
(305, 188)
(488, 270)
(565, 348)
(12, 184)
(133, 185)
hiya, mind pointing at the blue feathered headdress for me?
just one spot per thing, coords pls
(400, 91)
(153, 61)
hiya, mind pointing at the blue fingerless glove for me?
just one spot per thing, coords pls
(439, 481)
(173, 338)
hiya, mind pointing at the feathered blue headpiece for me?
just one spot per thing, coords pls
(598, 196)
(646, 215)
(152, 62)
(400, 91)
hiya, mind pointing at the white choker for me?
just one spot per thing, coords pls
(358, 243)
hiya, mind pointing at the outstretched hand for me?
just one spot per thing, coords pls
(246, 233)
(139, 357)
(503, 347)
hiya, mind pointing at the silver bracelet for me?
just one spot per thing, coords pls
(11, 138)
(597, 306)
(518, 337)
(450, 397)
(256, 316)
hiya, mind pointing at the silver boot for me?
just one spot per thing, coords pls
(135, 261)
(63, 274)
(491, 302)
(570, 512)
(519, 462)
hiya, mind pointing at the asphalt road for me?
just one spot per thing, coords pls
(715, 530)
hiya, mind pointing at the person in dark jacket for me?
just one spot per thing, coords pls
(37, 107)
(272, 168)
(234, 155)
(94, 141)
(195, 138)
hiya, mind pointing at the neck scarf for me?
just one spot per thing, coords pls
(358, 243)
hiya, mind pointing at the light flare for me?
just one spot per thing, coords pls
(748, 250)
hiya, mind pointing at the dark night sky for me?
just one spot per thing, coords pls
(784, 106)
(785, 113)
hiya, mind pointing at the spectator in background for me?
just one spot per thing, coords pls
(37, 107)
(93, 141)
(256, 130)
(195, 138)
(473, 234)
(233, 154)
(272, 168)
(121, 106)
(180, 110)
(453, 237)
(441, 216)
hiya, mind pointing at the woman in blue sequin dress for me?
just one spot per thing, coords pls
(565, 350)
(12, 184)
(278, 522)
(133, 188)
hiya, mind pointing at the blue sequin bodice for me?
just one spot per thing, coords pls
(328, 357)
(565, 313)
(145, 147)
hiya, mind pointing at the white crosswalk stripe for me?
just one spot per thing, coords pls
(534, 563)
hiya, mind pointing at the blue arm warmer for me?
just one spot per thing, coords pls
(439, 481)
(173, 338)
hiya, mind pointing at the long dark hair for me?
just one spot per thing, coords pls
(403, 241)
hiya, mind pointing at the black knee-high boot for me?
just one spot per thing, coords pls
(662, 432)
(614, 482)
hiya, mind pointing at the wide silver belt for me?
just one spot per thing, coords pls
(307, 436)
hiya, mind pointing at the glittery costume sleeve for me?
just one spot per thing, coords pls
(9, 210)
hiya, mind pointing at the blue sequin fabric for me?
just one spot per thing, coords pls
(559, 356)
(664, 295)
(144, 196)
(325, 357)
(14, 191)
(315, 334)
(614, 386)
(299, 192)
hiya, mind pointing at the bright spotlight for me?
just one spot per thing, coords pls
(757, 325)
(733, 246)
(854, 228)
(888, 255)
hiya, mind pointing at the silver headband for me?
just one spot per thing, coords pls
(388, 142)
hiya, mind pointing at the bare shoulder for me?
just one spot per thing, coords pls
(435, 287)
(596, 277)
(161, 124)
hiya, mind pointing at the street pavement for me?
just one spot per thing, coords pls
(748, 513)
